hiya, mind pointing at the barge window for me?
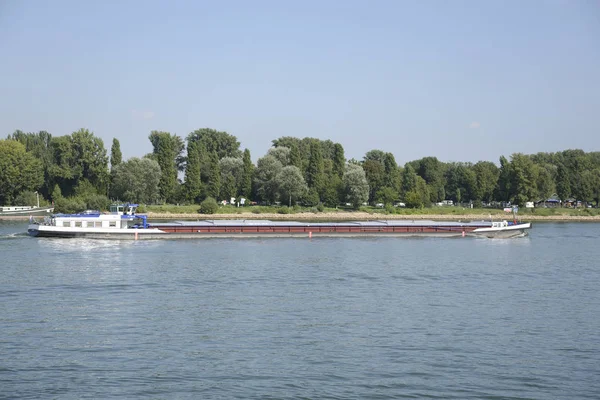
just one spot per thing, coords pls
(112, 224)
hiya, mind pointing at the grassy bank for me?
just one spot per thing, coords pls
(369, 213)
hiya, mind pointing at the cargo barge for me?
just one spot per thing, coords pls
(123, 223)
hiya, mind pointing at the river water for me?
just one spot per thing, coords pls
(347, 318)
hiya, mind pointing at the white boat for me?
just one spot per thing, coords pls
(10, 211)
(120, 223)
(503, 229)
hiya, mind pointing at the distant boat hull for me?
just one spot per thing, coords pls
(25, 211)
(505, 231)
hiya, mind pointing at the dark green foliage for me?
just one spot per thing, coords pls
(19, 171)
(295, 157)
(563, 184)
(115, 153)
(69, 205)
(246, 188)
(387, 195)
(460, 182)
(228, 187)
(315, 174)
(193, 183)
(209, 206)
(167, 149)
(29, 198)
(224, 144)
(213, 184)
(486, 177)
(339, 160)
(375, 174)
(432, 170)
(311, 198)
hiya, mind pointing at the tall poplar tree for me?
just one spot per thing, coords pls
(167, 149)
(115, 153)
(246, 189)
(193, 183)
(315, 176)
(213, 185)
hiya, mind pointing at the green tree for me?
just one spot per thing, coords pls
(38, 145)
(375, 174)
(418, 196)
(19, 171)
(246, 189)
(295, 157)
(339, 160)
(137, 180)
(315, 175)
(504, 189)
(523, 179)
(387, 195)
(281, 153)
(391, 178)
(563, 183)
(167, 150)
(115, 153)
(232, 176)
(91, 159)
(224, 144)
(266, 172)
(193, 183)
(213, 186)
(290, 183)
(432, 170)
(209, 206)
(546, 182)
(486, 177)
(356, 185)
(460, 182)
(228, 187)
(409, 179)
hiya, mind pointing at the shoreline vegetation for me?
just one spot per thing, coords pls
(298, 214)
(296, 176)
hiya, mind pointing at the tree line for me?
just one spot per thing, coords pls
(76, 172)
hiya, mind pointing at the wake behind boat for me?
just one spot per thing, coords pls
(123, 223)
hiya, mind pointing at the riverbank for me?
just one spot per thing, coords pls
(365, 216)
(352, 216)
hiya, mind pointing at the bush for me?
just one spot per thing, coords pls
(27, 199)
(97, 202)
(69, 205)
(209, 206)
(142, 209)
(320, 207)
(285, 210)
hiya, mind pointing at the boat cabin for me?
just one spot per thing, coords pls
(123, 209)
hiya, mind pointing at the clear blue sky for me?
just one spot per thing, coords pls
(459, 80)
